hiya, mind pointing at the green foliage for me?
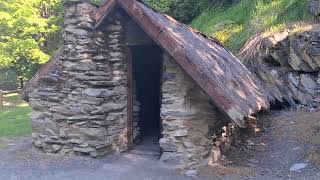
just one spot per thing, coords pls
(233, 25)
(28, 33)
(161, 5)
(186, 10)
(183, 10)
(8, 79)
(97, 2)
(14, 119)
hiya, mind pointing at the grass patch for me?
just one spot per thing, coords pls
(15, 117)
(3, 145)
(234, 25)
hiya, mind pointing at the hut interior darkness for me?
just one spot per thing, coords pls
(127, 73)
(147, 63)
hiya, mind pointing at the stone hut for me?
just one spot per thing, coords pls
(127, 73)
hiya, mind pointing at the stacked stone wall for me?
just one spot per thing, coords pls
(80, 106)
(288, 64)
(192, 126)
(136, 114)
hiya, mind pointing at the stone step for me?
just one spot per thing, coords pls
(147, 148)
(146, 153)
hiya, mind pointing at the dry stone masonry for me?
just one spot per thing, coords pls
(136, 115)
(80, 106)
(192, 126)
(288, 64)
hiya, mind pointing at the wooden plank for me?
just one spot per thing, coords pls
(21, 83)
(130, 99)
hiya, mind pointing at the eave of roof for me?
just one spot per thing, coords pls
(39, 75)
(231, 87)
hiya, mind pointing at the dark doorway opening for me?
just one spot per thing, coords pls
(146, 93)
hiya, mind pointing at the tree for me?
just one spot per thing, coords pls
(161, 5)
(28, 33)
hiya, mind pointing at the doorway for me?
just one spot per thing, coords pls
(146, 64)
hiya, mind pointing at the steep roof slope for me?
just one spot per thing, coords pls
(220, 74)
(232, 88)
(33, 82)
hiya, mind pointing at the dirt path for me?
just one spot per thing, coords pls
(288, 138)
(22, 162)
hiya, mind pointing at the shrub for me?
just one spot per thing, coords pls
(161, 5)
(8, 79)
(184, 10)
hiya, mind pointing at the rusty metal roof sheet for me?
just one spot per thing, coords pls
(231, 86)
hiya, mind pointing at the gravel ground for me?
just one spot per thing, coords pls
(22, 162)
(288, 138)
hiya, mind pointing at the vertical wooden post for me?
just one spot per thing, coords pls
(1, 99)
(129, 100)
(21, 82)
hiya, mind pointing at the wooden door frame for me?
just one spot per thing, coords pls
(129, 99)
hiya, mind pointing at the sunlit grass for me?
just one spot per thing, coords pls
(3, 144)
(12, 97)
(14, 118)
(234, 25)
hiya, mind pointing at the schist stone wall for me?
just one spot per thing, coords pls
(192, 127)
(136, 114)
(81, 105)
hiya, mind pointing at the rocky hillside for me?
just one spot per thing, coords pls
(278, 40)
(287, 63)
(233, 25)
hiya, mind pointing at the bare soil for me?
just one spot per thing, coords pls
(287, 138)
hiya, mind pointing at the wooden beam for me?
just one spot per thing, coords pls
(130, 100)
